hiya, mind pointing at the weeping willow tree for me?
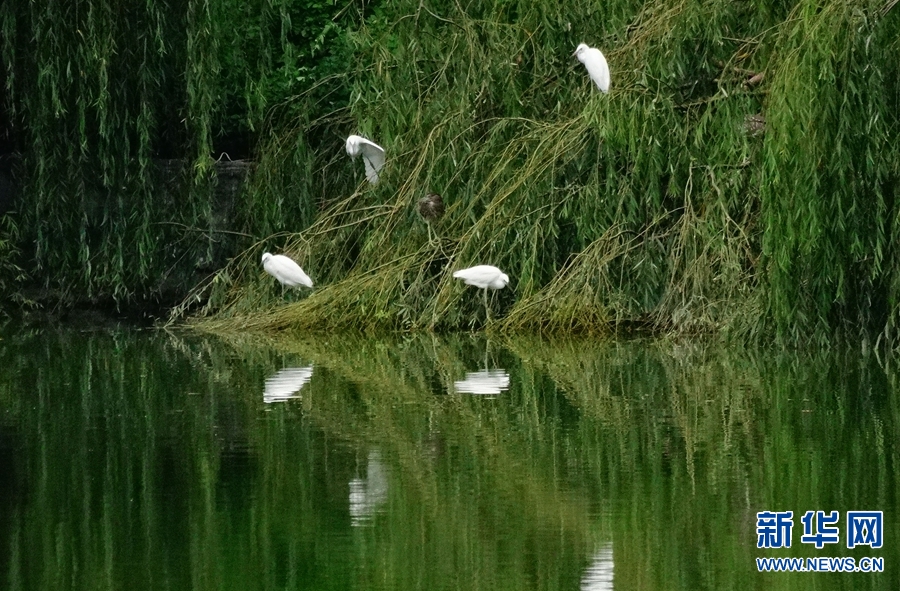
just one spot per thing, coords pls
(738, 177)
(120, 110)
(830, 168)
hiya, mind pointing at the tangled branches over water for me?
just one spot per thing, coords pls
(652, 206)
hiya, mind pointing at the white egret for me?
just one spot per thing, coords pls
(596, 65)
(484, 277)
(285, 270)
(431, 208)
(372, 154)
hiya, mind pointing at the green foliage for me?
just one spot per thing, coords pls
(105, 96)
(830, 167)
(635, 207)
(739, 176)
(12, 276)
(272, 52)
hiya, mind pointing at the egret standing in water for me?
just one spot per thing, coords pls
(484, 277)
(285, 270)
(372, 154)
(596, 65)
(431, 208)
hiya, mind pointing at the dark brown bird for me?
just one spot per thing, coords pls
(431, 208)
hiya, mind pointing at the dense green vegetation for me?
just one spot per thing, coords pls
(740, 176)
(120, 110)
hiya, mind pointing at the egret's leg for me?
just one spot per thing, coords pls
(430, 239)
(487, 310)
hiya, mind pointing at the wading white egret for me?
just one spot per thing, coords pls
(484, 277)
(372, 154)
(285, 270)
(431, 208)
(596, 65)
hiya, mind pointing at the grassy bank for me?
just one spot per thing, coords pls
(739, 177)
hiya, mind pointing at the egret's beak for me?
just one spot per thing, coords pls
(574, 53)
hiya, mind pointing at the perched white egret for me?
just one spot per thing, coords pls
(372, 153)
(431, 208)
(484, 277)
(596, 65)
(285, 270)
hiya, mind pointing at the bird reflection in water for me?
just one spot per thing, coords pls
(486, 381)
(369, 494)
(598, 576)
(286, 384)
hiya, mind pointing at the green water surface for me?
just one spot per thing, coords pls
(147, 460)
